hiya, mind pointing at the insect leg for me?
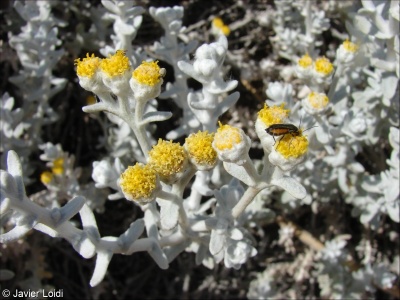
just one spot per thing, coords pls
(280, 141)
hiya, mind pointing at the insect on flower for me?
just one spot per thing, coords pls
(284, 129)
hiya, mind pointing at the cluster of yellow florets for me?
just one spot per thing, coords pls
(321, 65)
(273, 115)
(167, 158)
(349, 46)
(88, 66)
(292, 146)
(218, 25)
(139, 182)
(318, 100)
(305, 61)
(199, 148)
(167, 161)
(115, 65)
(57, 168)
(226, 137)
(148, 73)
(282, 138)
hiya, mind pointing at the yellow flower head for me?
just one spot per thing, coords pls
(46, 177)
(273, 115)
(227, 137)
(199, 148)
(58, 166)
(305, 61)
(139, 183)
(318, 100)
(218, 24)
(167, 159)
(292, 146)
(115, 65)
(88, 66)
(323, 66)
(349, 46)
(148, 73)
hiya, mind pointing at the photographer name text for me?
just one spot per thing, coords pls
(39, 293)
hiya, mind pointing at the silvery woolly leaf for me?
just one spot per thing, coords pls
(169, 213)
(8, 185)
(134, 11)
(4, 203)
(15, 169)
(83, 245)
(131, 234)
(217, 242)
(89, 223)
(60, 215)
(226, 104)
(173, 251)
(155, 116)
(46, 230)
(186, 68)
(110, 6)
(158, 255)
(102, 261)
(240, 173)
(16, 233)
(369, 213)
(218, 87)
(290, 185)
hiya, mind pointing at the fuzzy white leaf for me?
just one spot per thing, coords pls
(89, 223)
(240, 173)
(15, 169)
(290, 185)
(69, 210)
(217, 242)
(102, 261)
(155, 116)
(131, 234)
(14, 234)
(169, 213)
(158, 255)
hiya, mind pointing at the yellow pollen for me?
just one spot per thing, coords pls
(58, 166)
(199, 147)
(226, 137)
(292, 146)
(226, 30)
(115, 65)
(218, 23)
(148, 73)
(138, 181)
(305, 61)
(349, 46)
(167, 158)
(46, 177)
(273, 115)
(318, 100)
(88, 66)
(323, 66)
